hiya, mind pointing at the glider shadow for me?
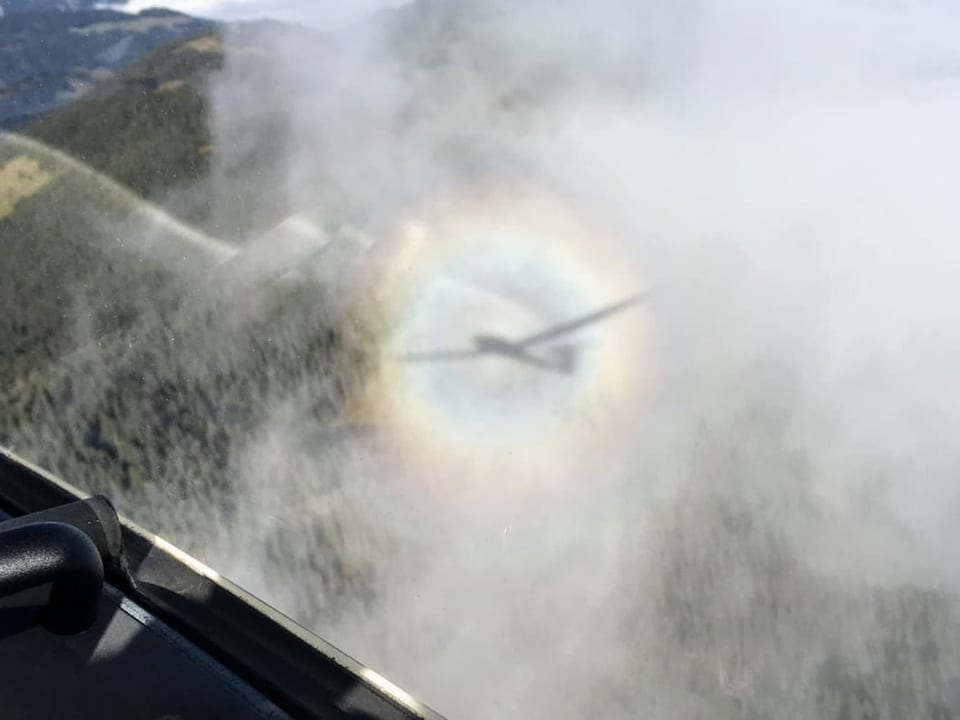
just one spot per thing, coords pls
(560, 359)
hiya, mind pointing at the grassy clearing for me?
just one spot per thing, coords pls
(20, 177)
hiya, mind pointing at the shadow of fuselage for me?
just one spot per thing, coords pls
(561, 359)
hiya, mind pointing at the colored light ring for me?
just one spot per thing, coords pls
(489, 429)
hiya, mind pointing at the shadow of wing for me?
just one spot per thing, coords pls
(572, 325)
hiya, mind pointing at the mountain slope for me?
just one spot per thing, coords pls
(146, 128)
(83, 266)
(130, 364)
(150, 129)
(50, 58)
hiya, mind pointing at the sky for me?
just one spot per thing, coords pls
(326, 14)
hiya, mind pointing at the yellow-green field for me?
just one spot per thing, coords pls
(20, 177)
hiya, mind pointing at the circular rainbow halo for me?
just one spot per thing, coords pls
(518, 353)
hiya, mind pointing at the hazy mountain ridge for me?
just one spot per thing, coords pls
(10, 7)
(147, 127)
(50, 58)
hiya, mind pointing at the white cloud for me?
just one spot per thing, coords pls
(785, 172)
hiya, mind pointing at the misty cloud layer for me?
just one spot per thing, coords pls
(778, 540)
